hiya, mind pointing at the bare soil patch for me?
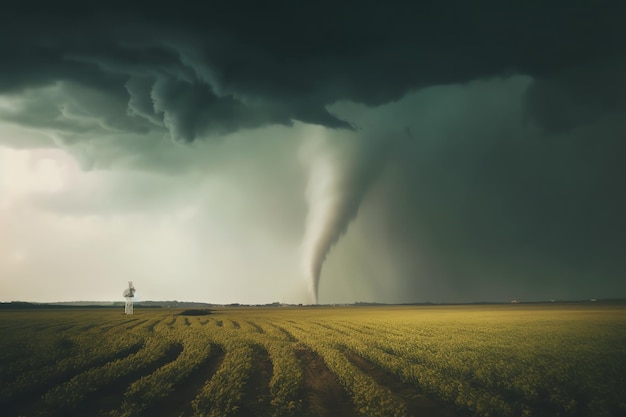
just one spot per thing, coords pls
(196, 312)
(256, 400)
(324, 395)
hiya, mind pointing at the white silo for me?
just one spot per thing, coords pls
(129, 293)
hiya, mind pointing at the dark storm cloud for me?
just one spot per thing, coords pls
(514, 182)
(479, 204)
(215, 68)
(579, 95)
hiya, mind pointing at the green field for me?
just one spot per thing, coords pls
(500, 360)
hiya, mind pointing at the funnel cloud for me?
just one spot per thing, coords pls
(339, 176)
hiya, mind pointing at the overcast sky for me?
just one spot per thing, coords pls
(443, 151)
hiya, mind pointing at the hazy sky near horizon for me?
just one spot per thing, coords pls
(444, 151)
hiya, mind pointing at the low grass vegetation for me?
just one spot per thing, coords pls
(496, 360)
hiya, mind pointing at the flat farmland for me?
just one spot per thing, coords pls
(495, 360)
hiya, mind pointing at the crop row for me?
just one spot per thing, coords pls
(64, 398)
(495, 370)
(90, 353)
(243, 362)
(151, 390)
(369, 397)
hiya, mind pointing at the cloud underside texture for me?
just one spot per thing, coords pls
(208, 70)
(534, 188)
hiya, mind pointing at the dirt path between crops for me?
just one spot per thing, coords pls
(179, 402)
(256, 399)
(417, 404)
(324, 396)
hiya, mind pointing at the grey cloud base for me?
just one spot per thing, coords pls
(197, 70)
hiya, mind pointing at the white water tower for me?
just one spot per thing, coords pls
(129, 293)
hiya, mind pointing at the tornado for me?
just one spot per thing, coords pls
(340, 172)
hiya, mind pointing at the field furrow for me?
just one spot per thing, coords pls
(285, 333)
(222, 395)
(369, 398)
(323, 394)
(171, 390)
(254, 326)
(124, 322)
(438, 361)
(99, 390)
(257, 398)
(36, 382)
(416, 402)
(286, 383)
